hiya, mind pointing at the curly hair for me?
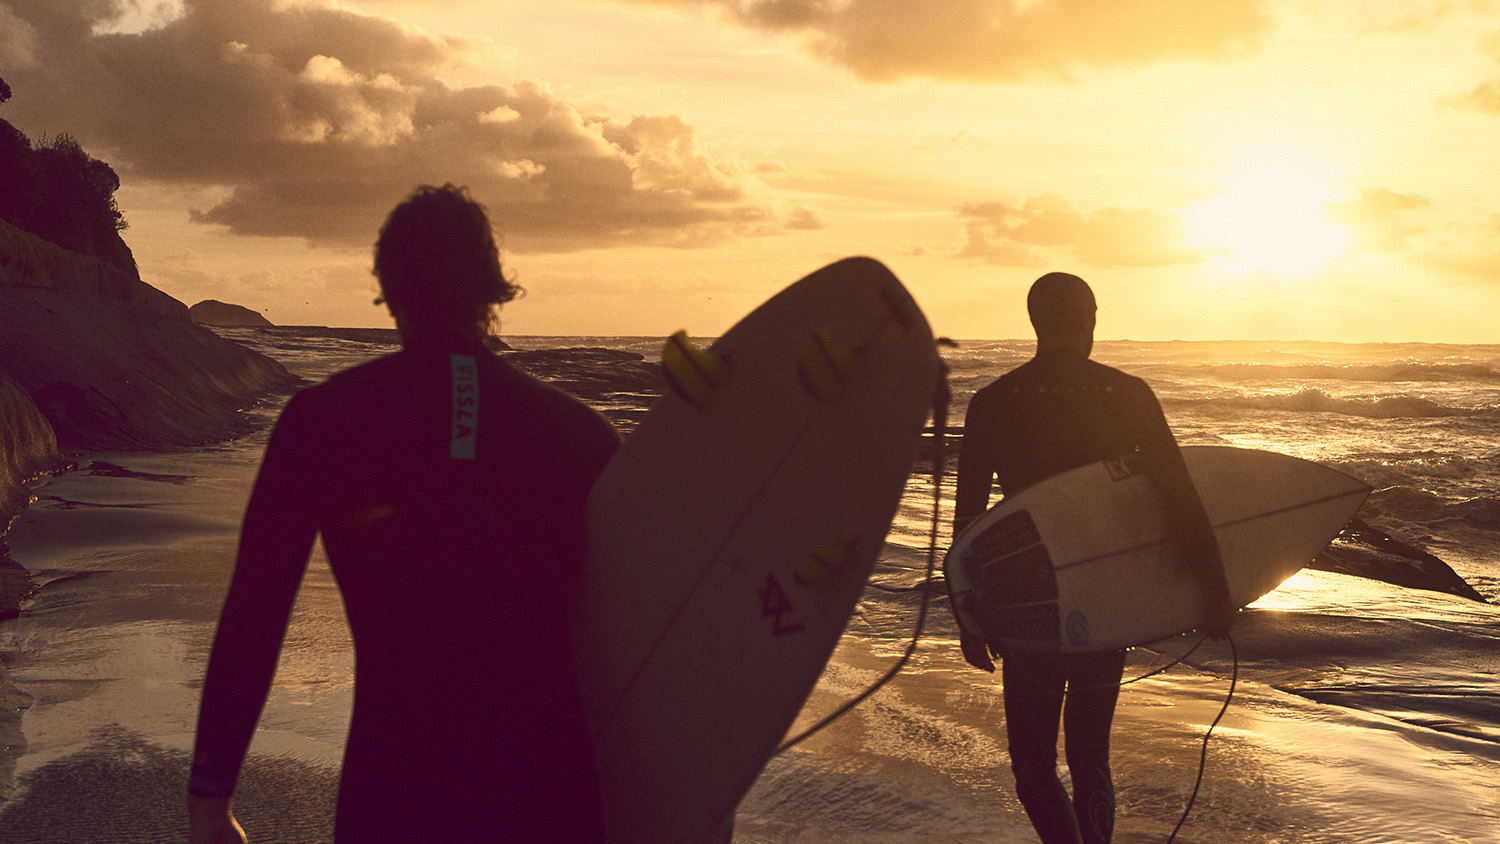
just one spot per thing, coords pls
(438, 262)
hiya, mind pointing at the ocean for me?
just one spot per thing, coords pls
(1363, 711)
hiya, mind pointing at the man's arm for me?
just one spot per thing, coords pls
(1185, 513)
(275, 541)
(976, 469)
(976, 474)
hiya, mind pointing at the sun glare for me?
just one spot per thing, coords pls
(1269, 218)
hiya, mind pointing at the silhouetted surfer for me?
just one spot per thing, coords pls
(449, 490)
(1057, 412)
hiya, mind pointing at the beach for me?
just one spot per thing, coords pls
(1363, 711)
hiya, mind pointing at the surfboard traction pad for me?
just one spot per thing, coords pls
(1012, 568)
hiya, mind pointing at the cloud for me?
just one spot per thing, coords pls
(804, 219)
(20, 46)
(320, 118)
(1484, 97)
(1002, 40)
(1377, 219)
(1468, 250)
(1035, 231)
(1415, 20)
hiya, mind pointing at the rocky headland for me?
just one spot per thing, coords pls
(93, 359)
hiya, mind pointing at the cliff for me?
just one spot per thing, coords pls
(27, 449)
(92, 358)
(31, 262)
(113, 376)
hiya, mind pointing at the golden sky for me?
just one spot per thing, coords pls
(1217, 170)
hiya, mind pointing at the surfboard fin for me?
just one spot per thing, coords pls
(825, 366)
(693, 374)
(822, 563)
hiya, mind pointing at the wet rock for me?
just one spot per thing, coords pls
(592, 373)
(1366, 551)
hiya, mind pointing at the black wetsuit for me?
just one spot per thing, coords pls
(1058, 412)
(457, 540)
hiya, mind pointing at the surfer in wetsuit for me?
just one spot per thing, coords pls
(449, 490)
(1057, 412)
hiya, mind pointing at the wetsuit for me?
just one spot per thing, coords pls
(449, 490)
(1057, 412)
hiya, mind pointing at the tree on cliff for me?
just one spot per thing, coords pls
(60, 193)
(15, 178)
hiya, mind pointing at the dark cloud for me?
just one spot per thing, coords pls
(1029, 233)
(1002, 39)
(318, 119)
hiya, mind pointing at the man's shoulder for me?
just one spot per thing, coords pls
(1039, 370)
(1038, 378)
(360, 377)
(552, 407)
(1105, 372)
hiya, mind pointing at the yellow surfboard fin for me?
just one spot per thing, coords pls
(825, 366)
(693, 373)
(822, 563)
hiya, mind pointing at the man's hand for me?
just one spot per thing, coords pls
(976, 651)
(1220, 619)
(210, 821)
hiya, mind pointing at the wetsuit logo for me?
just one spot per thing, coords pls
(461, 443)
(774, 604)
(1078, 629)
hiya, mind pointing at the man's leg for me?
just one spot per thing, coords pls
(1033, 706)
(1093, 689)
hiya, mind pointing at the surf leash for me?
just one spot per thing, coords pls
(1234, 679)
(1169, 666)
(940, 399)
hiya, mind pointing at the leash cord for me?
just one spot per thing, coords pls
(1173, 664)
(1234, 679)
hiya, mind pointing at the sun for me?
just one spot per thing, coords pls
(1269, 216)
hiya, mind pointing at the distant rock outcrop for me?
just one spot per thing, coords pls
(214, 312)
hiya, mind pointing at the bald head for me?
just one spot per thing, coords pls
(1062, 308)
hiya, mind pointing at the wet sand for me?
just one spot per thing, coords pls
(107, 660)
(925, 760)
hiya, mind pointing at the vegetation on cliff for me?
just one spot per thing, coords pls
(58, 192)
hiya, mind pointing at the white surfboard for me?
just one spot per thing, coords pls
(732, 534)
(1082, 561)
